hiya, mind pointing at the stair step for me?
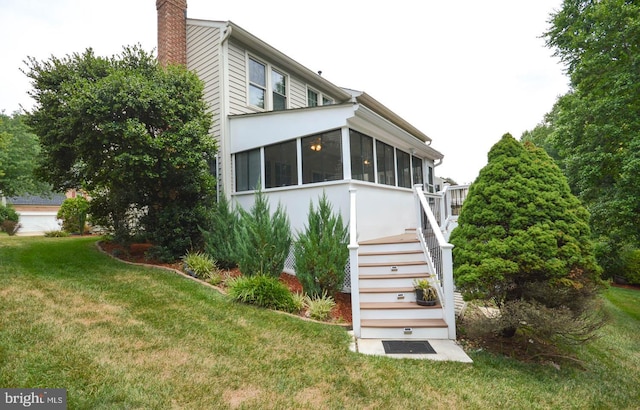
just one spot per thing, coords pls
(403, 323)
(387, 290)
(396, 305)
(377, 253)
(389, 264)
(419, 275)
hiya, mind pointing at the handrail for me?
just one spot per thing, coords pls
(439, 256)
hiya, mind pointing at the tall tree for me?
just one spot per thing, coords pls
(595, 129)
(19, 153)
(522, 235)
(132, 133)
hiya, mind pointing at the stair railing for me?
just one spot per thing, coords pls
(353, 263)
(438, 252)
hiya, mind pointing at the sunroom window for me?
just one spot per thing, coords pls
(361, 156)
(247, 170)
(404, 169)
(385, 162)
(281, 164)
(322, 157)
(416, 165)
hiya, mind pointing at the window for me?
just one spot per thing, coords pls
(247, 170)
(430, 187)
(322, 157)
(312, 98)
(279, 87)
(416, 165)
(361, 156)
(281, 164)
(385, 162)
(326, 101)
(257, 83)
(404, 169)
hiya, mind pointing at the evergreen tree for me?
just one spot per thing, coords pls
(523, 236)
(321, 251)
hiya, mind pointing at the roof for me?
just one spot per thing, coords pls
(54, 200)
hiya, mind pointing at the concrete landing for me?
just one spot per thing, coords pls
(446, 350)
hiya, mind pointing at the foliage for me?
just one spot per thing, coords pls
(19, 154)
(133, 134)
(73, 213)
(261, 290)
(7, 213)
(320, 306)
(10, 227)
(594, 130)
(321, 251)
(263, 240)
(299, 301)
(56, 234)
(219, 237)
(521, 230)
(631, 266)
(201, 264)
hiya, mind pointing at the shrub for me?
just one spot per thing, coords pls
(261, 290)
(201, 264)
(219, 238)
(320, 306)
(263, 240)
(73, 213)
(299, 301)
(321, 251)
(56, 234)
(10, 227)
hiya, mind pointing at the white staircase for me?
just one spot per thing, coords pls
(388, 310)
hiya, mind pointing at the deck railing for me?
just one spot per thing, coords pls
(353, 263)
(437, 250)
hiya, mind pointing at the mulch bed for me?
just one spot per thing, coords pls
(137, 253)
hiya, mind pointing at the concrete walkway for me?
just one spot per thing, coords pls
(446, 350)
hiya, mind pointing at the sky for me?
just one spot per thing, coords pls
(463, 72)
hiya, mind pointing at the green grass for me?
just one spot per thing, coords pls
(120, 336)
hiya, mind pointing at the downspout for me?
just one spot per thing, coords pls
(225, 141)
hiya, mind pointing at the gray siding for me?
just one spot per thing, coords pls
(203, 57)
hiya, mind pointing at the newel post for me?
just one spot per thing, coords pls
(447, 276)
(353, 263)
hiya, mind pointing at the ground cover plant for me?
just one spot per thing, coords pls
(122, 336)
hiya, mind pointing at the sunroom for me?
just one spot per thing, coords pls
(296, 155)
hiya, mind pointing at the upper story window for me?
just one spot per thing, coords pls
(316, 98)
(279, 87)
(257, 83)
(312, 98)
(263, 77)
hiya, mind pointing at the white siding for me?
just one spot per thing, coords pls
(238, 81)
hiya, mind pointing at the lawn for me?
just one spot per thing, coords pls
(120, 336)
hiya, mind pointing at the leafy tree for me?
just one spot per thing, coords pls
(19, 153)
(594, 130)
(523, 236)
(263, 240)
(134, 135)
(73, 213)
(321, 251)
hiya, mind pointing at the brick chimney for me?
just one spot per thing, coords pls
(172, 31)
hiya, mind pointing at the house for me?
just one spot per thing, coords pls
(287, 128)
(38, 214)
